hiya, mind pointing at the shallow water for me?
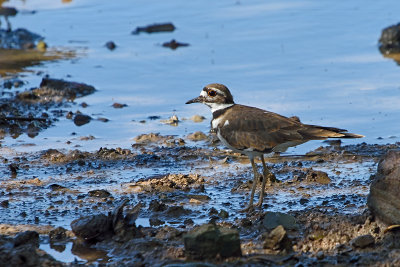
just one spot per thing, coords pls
(312, 59)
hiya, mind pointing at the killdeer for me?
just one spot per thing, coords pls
(255, 132)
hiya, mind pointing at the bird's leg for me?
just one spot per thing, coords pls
(8, 23)
(250, 206)
(266, 175)
(271, 177)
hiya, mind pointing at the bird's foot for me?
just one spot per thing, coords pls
(248, 209)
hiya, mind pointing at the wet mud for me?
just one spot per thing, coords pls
(149, 205)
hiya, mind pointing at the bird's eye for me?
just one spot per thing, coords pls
(211, 93)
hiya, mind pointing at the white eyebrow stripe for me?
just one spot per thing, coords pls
(203, 93)
(218, 91)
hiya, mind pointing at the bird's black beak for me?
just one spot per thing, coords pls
(198, 99)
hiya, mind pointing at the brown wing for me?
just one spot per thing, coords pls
(258, 129)
(266, 131)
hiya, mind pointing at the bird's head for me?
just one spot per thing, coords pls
(215, 95)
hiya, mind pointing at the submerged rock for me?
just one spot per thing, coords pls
(111, 45)
(209, 241)
(162, 27)
(383, 198)
(173, 44)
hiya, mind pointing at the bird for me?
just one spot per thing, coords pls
(255, 132)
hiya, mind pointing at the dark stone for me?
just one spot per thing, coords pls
(92, 227)
(213, 211)
(18, 39)
(223, 214)
(56, 187)
(4, 203)
(81, 119)
(157, 206)
(111, 45)
(119, 105)
(277, 239)
(383, 198)
(156, 222)
(101, 193)
(274, 219)
(363, 241)
(27, 237)
(57, 234)
(209, 241)
(389, 42)
(177, 211)
(163, 27)
(173, 44)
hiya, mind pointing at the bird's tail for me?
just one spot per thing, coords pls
(321, 132)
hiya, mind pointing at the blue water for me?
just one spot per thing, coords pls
(314, 59)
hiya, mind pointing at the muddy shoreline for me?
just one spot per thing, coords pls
(198, 183)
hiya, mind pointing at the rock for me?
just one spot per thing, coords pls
(81, 119)
(173, 44)
(197, 118)
(209, 241)
(56, 90)
(4, 204)
(156, 222)
(99, 226)
(173, 120)
(119, 105)
(197, 136)
(383, 198)
(363, 241)
(277, 239)
(212, 211)
(320, 177)
(18, 39)
(274, 219)
(27, 237)
(162, 27)
(58, 234)
(157, 206)
(92, 227)
(223, 214)
(101, 193)
(111, 45)
(389, 42)
(176, 211)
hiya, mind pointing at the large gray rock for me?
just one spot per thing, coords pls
(274, 219)
(384, 195)
(209, 240)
